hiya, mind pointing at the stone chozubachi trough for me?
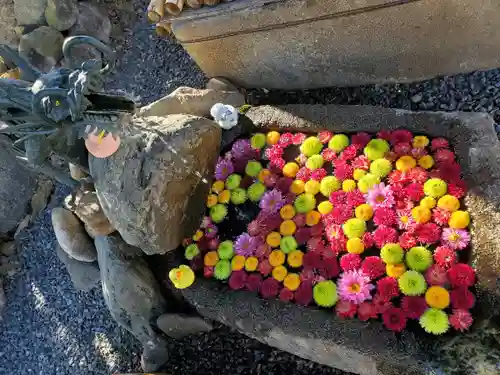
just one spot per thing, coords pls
(367, 348)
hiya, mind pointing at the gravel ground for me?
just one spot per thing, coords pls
(51, 329)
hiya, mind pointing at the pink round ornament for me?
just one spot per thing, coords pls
(102, 146)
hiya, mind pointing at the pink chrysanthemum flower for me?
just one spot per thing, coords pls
(445, 257)
(349, 153)
(456, 239)
(283, 184)
(385, 216)
(278, 163)
(441, 216)
(460, 319)
(354, 286)
(325, 136)
(427, 233)
(285, 139)
(407, 240)
(361, 162)
(384, 234)
(380, 196)
(439, 143)
(415, 191)
(444, 155)
(355, 198)
(457, 189)
(304, 174)
(302, 235)
(272, 201)
(345, 309)
(245, 245)
(208, 272)
(338, 198)
(274, 152)
(462, 298)
(343, 171)
(339, 215)
(223, 169)
(298, 138)
(402, 148)
(334, 232)
(338, 246)
(367, 310)
(350, 262)
(318, 174)
(436, 275)
(328, 154)
(418, 175)
(405, 219)
(368, 240)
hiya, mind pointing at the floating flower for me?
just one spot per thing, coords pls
(461, 274)
(439, 143)
(367, 310)
(404, 219)
(298, 138)
(238, 280)
(350, 262)
(437, 297)
(233, 181)
(338, 142)
(413, 306)
(462, 298)
(376, 149)
(279, 273)
(415, 191)
(412, 283)
(434, 321)
(288, 228)
(457, 189)
(238, 196)
(418, 258)
(364, 212)
(405, 163)
(380, 196)
(360, 164)
(345, 309)
(245, 245)
(325, 207)
(314, 162)
(380, 167)
(384, 234)
(222, 270)
(445, 257)
(286, 295)
(436, 275)
(311, 146)
(395, 270)
(400, 136)
(292, 281)
(456, 239)
(305, 203)
(328, 185)
(435, 188)
(211, 258)
(223, 169)
(295, 259)
(384, 216)
(355, 246)
(191, 251)
(304, 293)
(238, 263)
(272, 201)
(394, 319)
(426, 162)
(420, 141)
(343, 171)
(251, 264)
(225, 250)
(212, 200)
(265, 268)
(392, 253)
(182, 277)
(460, 319)
(459, 220)
(421, 214)
(325, 294)
(428, 233)
(256, 191)
(269, 288)
(441, 216)
(318, 174)
(302, 235)
(277, 258)
(272, 137)
(449, 203)
(373, 267)
(349, 185)
(387, 287)
(288, 244)
(312, 218)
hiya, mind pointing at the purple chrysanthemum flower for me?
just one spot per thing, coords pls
(211, 230)
(354, 286)
(223, 169)
(455, 239)
(272, 201)
(380, 196)
(245, 245)
(242, 149)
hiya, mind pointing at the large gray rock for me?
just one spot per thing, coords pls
(17, 186)
(61, 14)
(132, 295)
(42, 47)
(29, 12)
(8, 33)
(71, 235)
(93, 21)
(84, 276)
(178, 326)
(153, 189)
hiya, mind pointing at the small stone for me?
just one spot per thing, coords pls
(85, 276)
(417, 98)
(71, 235)
(42, 47)
(178, 326)
(29, 12)
(9, 266)
(76, 172)
(40, 198)
(92, 21)
(61, 14)
(8, 248)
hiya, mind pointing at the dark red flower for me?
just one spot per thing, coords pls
(402, 148)
(381, 304)
(461, 274)
(407, 240)
(316, 245)
(304, 174)
(312, 260)
(387, 287)
(418, 175)
(460, 319)
(394, 319)
(343, 171)
(445, 257)
(238, 280)
(208, 271)
(457, 189)
(304, 293)
(290, 197)
(265, 267)
(307, 275)
(441, 216)
(450, 172)
(277, 163)
(350, 262)
(254, 281)
(400, 135)
(384, 234)
(269, 288)
(361, 162)
(275, 169)
(462, 298)
(349, 153)
(361, 139)
(345, 309)
(436, 275)
(413, 306)
(246, 181)
(317, 230)
(415, 191)
(367, 310)
(300, 220)
(286, 295)
(444, 155)
(385, 134)
(302, 235)
(196, 263)
(373, 267)
(283, 184)
(330, 267)
(428, 233)
(385, 216)
(263, 250)
(439, 143)
(318, 174)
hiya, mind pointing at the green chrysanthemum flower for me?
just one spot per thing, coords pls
(288, 244)
(218, 213)
(222, 269)
(253, 168)
(315, 162)
(418, 258)
(258, 141)
(381, 167)
(304, 203)
(325, 293)
(191, 251)
(434, 321)
(412, 283)
(435, 188)
(225, 250)
(367, 182)
(376, 149)
(233, 181)
(256, 191)
(354, 228)
(311, 146)
(328, 185)
(392, 253)
(238, 196)
(338, 142)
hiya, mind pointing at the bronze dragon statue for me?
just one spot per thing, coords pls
(52, 113)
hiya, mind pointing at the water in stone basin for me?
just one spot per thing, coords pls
(370, 226)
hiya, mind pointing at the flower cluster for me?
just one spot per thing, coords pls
(371, 226)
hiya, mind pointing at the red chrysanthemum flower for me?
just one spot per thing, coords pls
(381, 304)
(450, 172)
(394, 319)
(436, 275)
(263, 250)
(428, 233)
(304, 174)
(278, 162)
(265, 267)
(269, 288)
(343, 171)
(316, 245)
(349, 153)
(384, 134)
(396, 177)
(273, 152)
(404, 204)
(439, 143)
(384, 234)
(312, 260)
(345, 309)
(413, 306)
(302, 235)
(208, 271)
(368, 240)
(318, 174)
(361, 139)
(307, 275)
(373, 267)
(317, 230)
(300, 220)
(350, 262)
(400, 136)
(407, 240)
(418, 175)
(338, 198)
(298, 138)
(325, 136)
(304, 293)
(330, 267)
(286, 295)
(338, 246)
(415, 191)
(254, 280)
(328, 154)
(339, 214)
(196, 263)
(367, 310)
(417, 153)
(461, 274)
(238, 280)
(361, 162)
(444, 155)
(402, 148)
(441, 216)
(445, 257)
(385, 216)
(460, 319)
(355, 198)
(387, 287)
(462, 298)
(457, 189)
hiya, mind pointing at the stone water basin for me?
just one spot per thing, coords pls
(355, 346)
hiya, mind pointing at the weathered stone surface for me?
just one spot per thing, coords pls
(3, 299)
(153, 189)
(255, 43)
(93, 21)
(76, 172)
(178, 326)
(29, 12)
(41, 196)
(61, 14)
(42, 47)
(85, 205)
(71, 235)
(8, 33)
(191, 101)
(8, 248)
(17, 185)
(132, 295)
(221, 84)
(85, 276)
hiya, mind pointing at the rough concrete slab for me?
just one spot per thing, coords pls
(298, 44)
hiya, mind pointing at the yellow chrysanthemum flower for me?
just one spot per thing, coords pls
(364, 212)
(420, 141)
(273, 239)
(405, 163)
(297, 187)
(437, 297)
(355, 246)
(348, 185)
(459, 220)
(426, 162)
